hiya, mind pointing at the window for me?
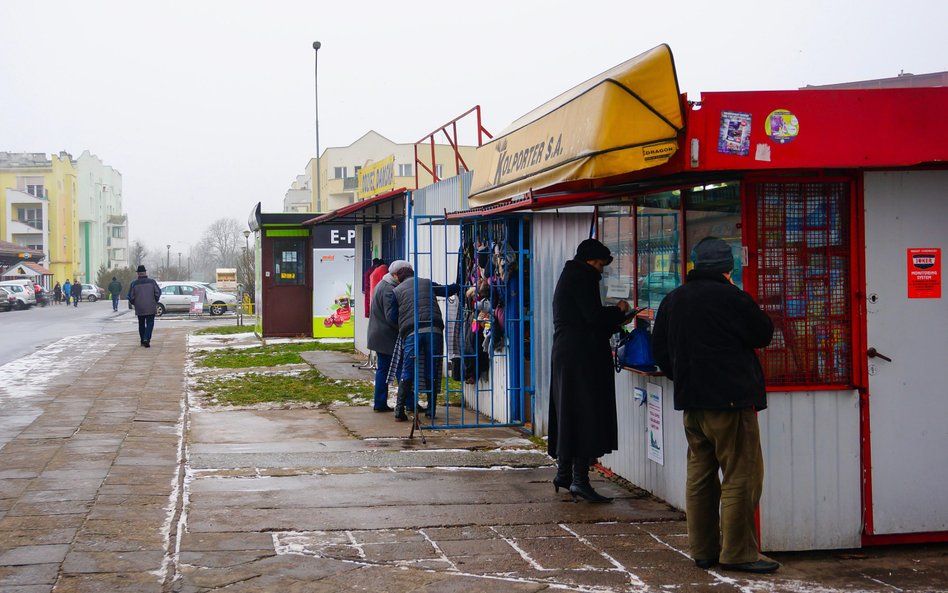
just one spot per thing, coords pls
(366, 254)
(118, 254)
(339, 172)
(289, 262)
(170, 289)
(405, 170)
(715, 211)
(657, 247)
(35, 190)
(118, 232)
(393, 240)
(803, 281)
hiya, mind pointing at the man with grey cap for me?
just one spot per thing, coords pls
(382, 333)
(704, 339)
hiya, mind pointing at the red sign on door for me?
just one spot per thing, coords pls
(924, 273)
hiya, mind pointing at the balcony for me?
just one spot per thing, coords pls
(350, 183)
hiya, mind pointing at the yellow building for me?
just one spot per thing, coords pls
(39, 208)
(339, 168)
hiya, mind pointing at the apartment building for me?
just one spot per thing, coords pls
(103, 225)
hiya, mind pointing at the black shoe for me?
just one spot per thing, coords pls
(400, 417)
(146, 344)
(586, 492)
(559, 482)
(706, 564)
(758, 567)
(385, 409)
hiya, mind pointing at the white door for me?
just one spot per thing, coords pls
(908, 396)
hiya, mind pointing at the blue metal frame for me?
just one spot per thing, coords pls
(519, 377)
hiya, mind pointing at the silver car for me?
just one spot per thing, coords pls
(92, 293)
(178, 296)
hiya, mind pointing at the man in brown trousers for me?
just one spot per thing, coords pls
(705, 335)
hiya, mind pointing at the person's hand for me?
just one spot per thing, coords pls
(623, 306)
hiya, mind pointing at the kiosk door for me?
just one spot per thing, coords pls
(287, 298)
(908, 397)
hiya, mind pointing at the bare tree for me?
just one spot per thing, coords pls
(137, 254)
(223, 240)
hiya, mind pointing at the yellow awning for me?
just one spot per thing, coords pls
(622, 120)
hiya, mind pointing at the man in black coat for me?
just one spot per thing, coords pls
(704, 339)
(582, 421)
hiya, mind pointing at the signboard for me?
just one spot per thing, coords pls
(377, 178)
(924, 273)
(197, 302)
(656, 443)
(226, 279)
(334, 236)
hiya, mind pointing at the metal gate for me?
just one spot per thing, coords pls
(484, 358)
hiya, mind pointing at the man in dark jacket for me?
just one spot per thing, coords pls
(383, 333)
(76, 291)
(115, 290)
(705, 335)
(429, 348)
(143, 294)
(582, 420)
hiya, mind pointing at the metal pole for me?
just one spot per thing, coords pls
(168, 258)
(316, 46)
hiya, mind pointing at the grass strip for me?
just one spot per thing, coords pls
(309, 386)
(265, 356)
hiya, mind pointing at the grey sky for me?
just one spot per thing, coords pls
(207, 107)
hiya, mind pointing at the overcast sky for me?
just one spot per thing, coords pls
(206, 107)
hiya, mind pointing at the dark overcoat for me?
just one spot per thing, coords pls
(582, 420)
(705, 335)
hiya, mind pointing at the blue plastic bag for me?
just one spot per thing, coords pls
(635, 351)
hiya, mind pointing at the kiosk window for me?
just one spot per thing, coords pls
(715, 211)
(803, 281)
(289, 262)
(657, 247)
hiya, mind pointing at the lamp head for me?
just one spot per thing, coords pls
(246, 234)
(317, 45)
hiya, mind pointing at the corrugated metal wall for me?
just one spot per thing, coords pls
(555, 237)
(812, 494)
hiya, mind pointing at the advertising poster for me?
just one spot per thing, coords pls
(197, 301)
(734, 137)
(924, 273)
(333, 273)
(656, 443)
(781, 126)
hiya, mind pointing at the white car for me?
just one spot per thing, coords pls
(23, 290)
(177, 296)
(92, 293)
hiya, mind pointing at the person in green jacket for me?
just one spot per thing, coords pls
(115, 289)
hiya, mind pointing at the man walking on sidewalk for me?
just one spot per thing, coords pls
(115, 288)
(76, 293)
(705, 335)
(143, 294)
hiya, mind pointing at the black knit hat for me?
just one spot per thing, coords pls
(714, 255)
(593, 249)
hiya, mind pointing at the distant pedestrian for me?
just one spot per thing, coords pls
(115, 289)
(143, 294)
(705, 335)
(76, 292)
(57, 293)
(67, 291)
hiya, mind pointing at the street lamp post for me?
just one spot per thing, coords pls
(316, 46)
(247, 240)
(168, 257)
(178, 271)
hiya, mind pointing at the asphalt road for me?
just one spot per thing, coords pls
(24, 332)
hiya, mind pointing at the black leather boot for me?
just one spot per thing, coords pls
(581, 488)
(564, 474)
(403, 388)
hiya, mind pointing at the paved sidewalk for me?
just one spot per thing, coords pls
(112, 481)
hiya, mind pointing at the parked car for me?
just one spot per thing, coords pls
(7, 300)
(92, 293)
(176, 296)
(23, 291)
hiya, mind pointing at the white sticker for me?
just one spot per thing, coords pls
(762, 153)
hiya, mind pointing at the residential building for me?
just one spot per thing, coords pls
(39, 208)
(340, 166)
(299, 198)
(103, 226)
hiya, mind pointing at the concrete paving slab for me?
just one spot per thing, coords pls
(337, 365)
